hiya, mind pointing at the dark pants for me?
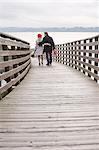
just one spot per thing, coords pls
(48, 51)
(49, 57)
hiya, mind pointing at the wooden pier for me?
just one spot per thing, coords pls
(54, 108)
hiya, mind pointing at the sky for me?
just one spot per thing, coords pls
(49, 13)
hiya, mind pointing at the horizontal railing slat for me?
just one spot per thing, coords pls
(78, 50)
(84, 57)
(86, 64)
(89, 72)
(9, 42)
(14, 81)
(81, 55)
(14, 52)
(13, 62)
(13, 71)
(77, 45)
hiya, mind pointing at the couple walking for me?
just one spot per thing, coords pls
(45, 45)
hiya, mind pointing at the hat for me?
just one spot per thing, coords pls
(39, 35)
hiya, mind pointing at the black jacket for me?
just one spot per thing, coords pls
(48, 43)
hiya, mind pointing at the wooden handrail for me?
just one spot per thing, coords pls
(13, 71)
(82, 55)
(14, 52)
(8, 42)
(14, 81)
(15, 61)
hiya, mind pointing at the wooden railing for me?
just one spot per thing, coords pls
(82, 55)
(14, 62)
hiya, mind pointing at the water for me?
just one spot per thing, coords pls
(59, 37)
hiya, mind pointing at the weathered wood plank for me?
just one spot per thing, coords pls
(13, 71)
(9, 42)
(81, 44)
(13, 62)
(14, 81)
(14, 52)
(54, 108)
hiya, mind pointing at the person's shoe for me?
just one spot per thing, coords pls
(47, 64)
(42, 63)
(39, 64)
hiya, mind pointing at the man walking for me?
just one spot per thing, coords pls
(48, 47)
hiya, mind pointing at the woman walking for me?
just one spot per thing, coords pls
(39, 49)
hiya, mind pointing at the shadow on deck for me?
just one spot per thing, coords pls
(53, 108)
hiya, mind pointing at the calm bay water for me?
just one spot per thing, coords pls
(59, 37)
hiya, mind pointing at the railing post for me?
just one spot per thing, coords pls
(82, 55)
(66, 55)
(63, 54)
(0, 61)
(97, 57)
(75, 54)
(6, 58)
(58, 54)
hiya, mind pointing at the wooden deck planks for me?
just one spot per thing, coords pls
(53, 108)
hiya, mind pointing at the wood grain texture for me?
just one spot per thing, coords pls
(15, 80)
(53, 108)
(82, 55)
(10, 42)
(13, 71)
(13, 62)
(14, 52)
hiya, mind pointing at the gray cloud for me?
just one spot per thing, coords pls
(42, 14)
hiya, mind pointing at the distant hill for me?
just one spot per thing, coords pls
(54, 29)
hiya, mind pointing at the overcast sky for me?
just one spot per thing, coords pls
(49, 13)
